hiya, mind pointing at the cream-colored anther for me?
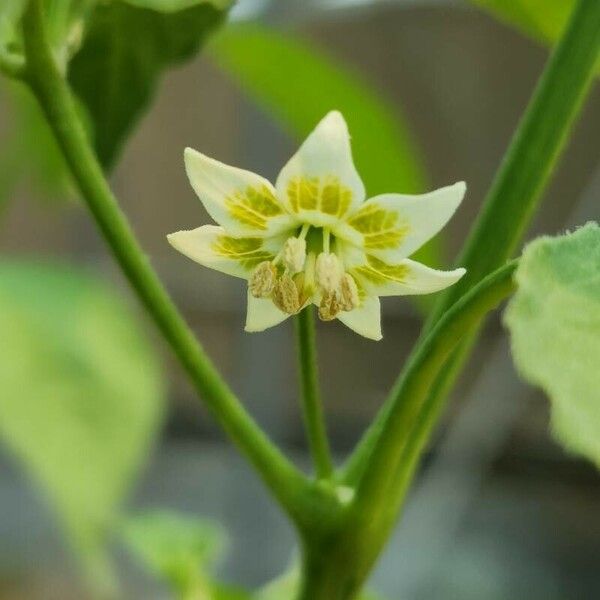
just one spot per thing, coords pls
(285, 295)
(329, 272)
(330, 306)
(349, 293)
(294, 254)
(262, 281)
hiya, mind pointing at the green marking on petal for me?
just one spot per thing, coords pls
(253, 206)
(324, 194)
(379, 272)
(248, 251)
(381, 228)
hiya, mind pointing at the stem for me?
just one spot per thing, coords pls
(285, 482)
(517, 188)
(314, 421)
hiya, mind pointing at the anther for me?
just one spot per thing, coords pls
(349, 293)
(294, 254)
(330, 306)
(285, 295)
(262, 281)
(328, 272)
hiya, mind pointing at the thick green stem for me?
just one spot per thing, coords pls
(312, 409)
(516, 191)
(287, 484)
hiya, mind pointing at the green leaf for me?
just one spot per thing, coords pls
(82, 396)
(554, 321)
(126, 50)
(543, 20)
(179, 549)
(297, 83)
(177, 5)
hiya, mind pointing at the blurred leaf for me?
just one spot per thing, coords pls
(82, 396)
(541, 19)
(181, 550)
(554, 321)
(285, 587)
(298, 83)
(126, 49)
(176, 5)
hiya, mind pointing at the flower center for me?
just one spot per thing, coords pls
(306, 270)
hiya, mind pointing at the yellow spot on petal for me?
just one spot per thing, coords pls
(381, 228)
(248, 251)
(323, 194)
(379, 272)
(253, 206)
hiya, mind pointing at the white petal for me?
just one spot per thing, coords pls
(262, 314)
(405, 278)
(210, 246)
(320, 182)
(241, 201)
(364, 320)
(393, 226)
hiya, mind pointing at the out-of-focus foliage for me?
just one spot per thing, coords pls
(298, 84)
(81, 396)
(285, 587)
(125, 51)
(554, 321)
(181, 550)
(176, 5)
(541, 19)
(29, 150)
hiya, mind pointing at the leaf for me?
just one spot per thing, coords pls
(176, 5)
(541, 19)
(81, 396)
(182, 550)
(126, 50)
(554, 322)
(298, 83)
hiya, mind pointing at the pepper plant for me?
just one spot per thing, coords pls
(313, 240)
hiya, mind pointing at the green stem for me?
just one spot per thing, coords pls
(312, 409)
(286, 483)
(377, 494)
(517, 188)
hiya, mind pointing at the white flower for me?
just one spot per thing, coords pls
(312, 238)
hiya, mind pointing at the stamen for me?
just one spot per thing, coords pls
(349, 293)
(285, 295)
(262, 281)
(330, 306)
(294, 254)
(329, 272)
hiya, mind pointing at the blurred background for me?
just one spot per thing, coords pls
(498, 510)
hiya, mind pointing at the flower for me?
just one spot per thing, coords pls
(312, 238)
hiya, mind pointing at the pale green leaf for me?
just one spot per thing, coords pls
(182, 550)
(297, 83)
(554, 321)
(81, 395)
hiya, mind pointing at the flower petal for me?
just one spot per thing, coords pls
(320, 182)
(262, 314)
(393, 226)
(366, 319)
(405, 278)
(241, 201)
(210, 246)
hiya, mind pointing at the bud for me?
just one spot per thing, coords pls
(330, 306)
(285, 295)
(294, 254)
(349, 293)
(263, 279)
(329, 272)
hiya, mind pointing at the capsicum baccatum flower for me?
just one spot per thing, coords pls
(312, 238)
